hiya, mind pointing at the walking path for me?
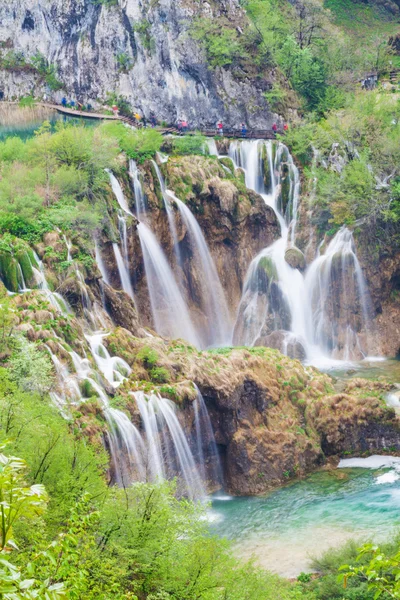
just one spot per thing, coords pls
(265, 134)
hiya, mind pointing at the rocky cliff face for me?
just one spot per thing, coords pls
(140, 50)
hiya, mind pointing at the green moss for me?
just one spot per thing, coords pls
(9, 271)
(227, 162)
(159, 375)
(148, 356)
(26, 266)
(267, 264)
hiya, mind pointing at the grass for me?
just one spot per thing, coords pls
(361, 19)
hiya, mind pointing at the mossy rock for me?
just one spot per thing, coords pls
(267, 175)
(240, 175)
(267, 264)
(295, 258)
(9, 271)
(227, 162)
(87, 389)
(25, 262)
(285, 190)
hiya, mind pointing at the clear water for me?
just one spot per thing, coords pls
(27, 130)
(285, 529)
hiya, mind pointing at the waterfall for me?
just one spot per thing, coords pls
(338, 299)
(114, 368)
(170, 313)
(118, 193)
(123, 272)
(205, 440)
(165, 437)
(218, 325)
(123, 233)
(313, 316)
(100, 263)
(55, 299)
(170, 214)
(21, 281)
(137, 188)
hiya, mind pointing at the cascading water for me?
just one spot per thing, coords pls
(207, 451)
(137, 189)
(165, 438)
(170, 313)
(101, 264)
(118, 193)
(123, 272)
(170, 214)
(217, 330)
(338, 299)
(313, 317)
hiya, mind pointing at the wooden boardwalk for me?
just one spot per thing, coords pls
(253, 134)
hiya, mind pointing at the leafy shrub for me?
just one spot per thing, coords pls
(190, 144)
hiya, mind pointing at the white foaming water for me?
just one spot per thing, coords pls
(137, 188)
(170, 313)
(170, 214)
(218, 326)
(118, 193)
(123, 272)
(277, 297)
(100, 263)
(371, 462)
(114, 368)
(167, 450)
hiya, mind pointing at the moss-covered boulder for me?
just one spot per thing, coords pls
(295, 258)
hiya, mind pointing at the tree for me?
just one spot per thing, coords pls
(31, 368)
(382, 572)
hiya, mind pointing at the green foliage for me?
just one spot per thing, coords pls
(143, 29)
(30, 367)
(221, 43)
(140, 144)
(56, 179)
(191, 144)
(27, 102)
(16, 499)
(124, 62)
(160, 375)
(380, 572)
(148, 356)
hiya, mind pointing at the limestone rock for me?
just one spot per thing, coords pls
(295, 258)
(166, 70)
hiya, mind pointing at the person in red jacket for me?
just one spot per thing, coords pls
(274, 128)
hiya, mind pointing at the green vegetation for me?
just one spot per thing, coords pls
(359, 177)
(143, 28)
(191, 144)
(139, 144)
(66, 534)
(16, 61)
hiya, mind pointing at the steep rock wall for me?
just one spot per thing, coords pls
(140, 50)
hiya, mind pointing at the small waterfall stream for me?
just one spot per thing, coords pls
(214, 304)
(170, 312)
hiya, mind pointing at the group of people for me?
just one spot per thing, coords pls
(182, 125)
(275, 127)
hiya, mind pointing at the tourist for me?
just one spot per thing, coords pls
(220, 128)
(274, 128)
(179, 125)
(244, 129)
(184, 126)
(286, 127)
(64, 102)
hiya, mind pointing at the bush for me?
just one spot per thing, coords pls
(190, 144)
